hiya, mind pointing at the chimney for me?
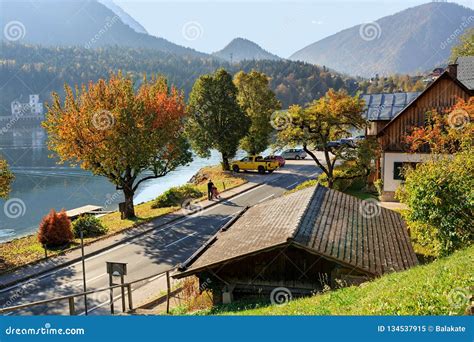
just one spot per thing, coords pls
(453, 70)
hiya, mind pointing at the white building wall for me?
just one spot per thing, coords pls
(33, 107)
(389, 158)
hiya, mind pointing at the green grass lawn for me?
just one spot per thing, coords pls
(423, 290)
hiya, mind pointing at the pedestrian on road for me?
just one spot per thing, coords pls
(215, 193)
(210, 185)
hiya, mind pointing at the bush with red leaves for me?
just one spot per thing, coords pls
(55, 229)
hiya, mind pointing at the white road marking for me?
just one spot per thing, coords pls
(182, 220)
(289, 186)
(175, 242)
(264, 199)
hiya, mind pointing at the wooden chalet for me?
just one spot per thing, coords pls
(391, 128)
(302, 241)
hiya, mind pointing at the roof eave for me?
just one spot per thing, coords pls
(443, 75)
(193, 271)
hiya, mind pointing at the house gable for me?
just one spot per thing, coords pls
(441, 95)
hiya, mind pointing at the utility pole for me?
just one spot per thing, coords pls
(83, 272)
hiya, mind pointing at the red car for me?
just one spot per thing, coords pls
(279, 159)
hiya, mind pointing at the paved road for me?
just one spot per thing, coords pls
(151, 253)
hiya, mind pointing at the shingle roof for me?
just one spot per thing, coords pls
(386, 106)
(322, 221)
(465, 72)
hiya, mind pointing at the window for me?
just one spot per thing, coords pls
(398, 168)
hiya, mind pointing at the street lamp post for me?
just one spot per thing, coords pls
(83, 271)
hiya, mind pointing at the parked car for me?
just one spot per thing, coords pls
(281, 161)
(333, 144)
(348, 142)
(255, 163)
(294, 153)
(359, 138)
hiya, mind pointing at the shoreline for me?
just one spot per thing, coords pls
(23, 251)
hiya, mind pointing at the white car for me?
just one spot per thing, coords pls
(294, 153)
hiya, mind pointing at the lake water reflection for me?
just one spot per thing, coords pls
(42, 184)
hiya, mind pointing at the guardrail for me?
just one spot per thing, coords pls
(71, 298)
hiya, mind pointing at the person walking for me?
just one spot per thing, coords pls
(210, 187)
(215, 193)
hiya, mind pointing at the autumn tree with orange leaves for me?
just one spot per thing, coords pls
(445, 133)
(114, 131)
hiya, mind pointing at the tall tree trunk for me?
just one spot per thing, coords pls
(330, 177)
(225, 162)
(129, 210)
(330, 169)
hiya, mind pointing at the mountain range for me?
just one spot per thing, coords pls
(86, 23)
(411, 41)
(124, 16)
(240, 49)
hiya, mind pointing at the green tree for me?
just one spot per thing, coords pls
(216, 120)
(440, 192)
(259, 102)
(465, 47)
(440, 195)
(119, 133)
(6, 179)
(327, 119)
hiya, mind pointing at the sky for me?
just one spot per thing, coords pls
(281, 27)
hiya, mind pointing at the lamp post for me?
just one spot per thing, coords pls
(83, 271)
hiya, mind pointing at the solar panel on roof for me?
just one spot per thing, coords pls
(386, 106)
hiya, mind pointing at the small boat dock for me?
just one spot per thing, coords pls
(85, 210)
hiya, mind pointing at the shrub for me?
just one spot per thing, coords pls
(426, 237)
(440, 194)
(379, 186)
(55, 229)
(194, 296)
(90, 225)
(342, 184)
(176, 195)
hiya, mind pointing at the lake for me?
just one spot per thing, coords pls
(41, 184)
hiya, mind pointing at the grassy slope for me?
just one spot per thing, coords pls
(422, 290)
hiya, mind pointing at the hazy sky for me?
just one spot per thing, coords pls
(281, 27)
